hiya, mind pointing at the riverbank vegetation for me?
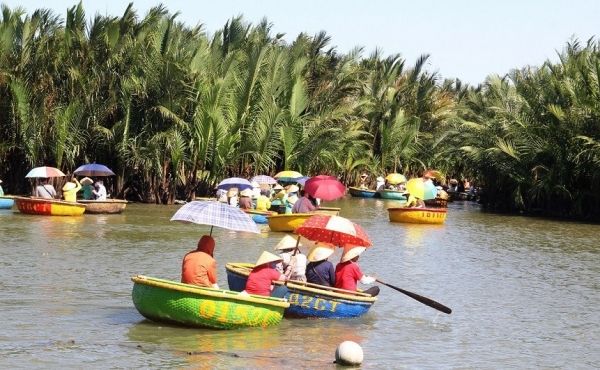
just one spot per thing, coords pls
(172, 109)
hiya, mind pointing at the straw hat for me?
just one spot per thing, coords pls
(351, 253)
(287, 242)
(292, 188)
(320, 252)
(246, 193)
(277, 187)
(231, 192)
(69, 186)
(86, 181)
(267, 257)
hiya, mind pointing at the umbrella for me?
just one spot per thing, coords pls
(433, 174)
(93, 169)
(288, 176)
(302, 180)
(395, 178)
(216, 214)
(234, 182)
(421, 189)
(333, 229)
(325, 187)
(45, 172)
(263, 179)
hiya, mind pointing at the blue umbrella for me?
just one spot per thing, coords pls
(234, 182)
(216, 214)
(93, 169)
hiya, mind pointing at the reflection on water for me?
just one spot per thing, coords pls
(523, 292)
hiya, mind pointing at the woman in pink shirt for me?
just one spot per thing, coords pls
(262, 276)
(348, 272)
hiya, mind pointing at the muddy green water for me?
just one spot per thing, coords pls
(525, 294)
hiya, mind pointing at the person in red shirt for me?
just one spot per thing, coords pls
(262, 276)
(199, 267)
(348, 273)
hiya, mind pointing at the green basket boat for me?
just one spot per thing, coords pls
(190, 305)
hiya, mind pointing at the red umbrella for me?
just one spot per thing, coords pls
(325, 187)
(333, 229)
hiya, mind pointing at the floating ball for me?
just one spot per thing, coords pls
(349, 353)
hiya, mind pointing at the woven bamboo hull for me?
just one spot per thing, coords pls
(189, 305)
(104, 206)
(6, 202)
(418, 215)
(392, 194)
(287, 222)
(361, 193)
(48, 207)
(333, 211)
(309, 300)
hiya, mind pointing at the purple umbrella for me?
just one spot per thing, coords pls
(93, 169)
(302, 180)
(264, 179)
(234, 182)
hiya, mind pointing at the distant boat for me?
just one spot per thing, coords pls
(48, 207)
(6, 202)
(418, 215)
(194, 306)
(361, 193)
(104, 206)
(392, 194)
(334, 211)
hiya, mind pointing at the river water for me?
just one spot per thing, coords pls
(524, 293)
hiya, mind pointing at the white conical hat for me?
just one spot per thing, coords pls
(287, 242)
(320, 252)
(86, 181)
(350, 253)
(246, 193)
(267, 257)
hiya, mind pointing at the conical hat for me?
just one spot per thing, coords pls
(277, 187)
(320, 252)
(267, 257)
(350, 253)
(292, 188)
(232, 192)
(287, 242)
(86, 181)
(69, 186)
(246, 193)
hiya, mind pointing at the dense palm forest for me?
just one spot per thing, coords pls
(173, 109)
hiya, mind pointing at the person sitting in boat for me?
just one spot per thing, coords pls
(70, 190)
(319, 270)
(99, 190)
(304, 204)
(348, 273)
(87, 188)
(292, 197)
(263, 202)
(363, 184)
(293, 262)
(232, 197)
(263, 275)
(199, 266)
(380, 185)
(245, 201)
(44, 190)
(221, 195)
(279, 202)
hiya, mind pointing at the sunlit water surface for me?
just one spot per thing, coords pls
(524, 292)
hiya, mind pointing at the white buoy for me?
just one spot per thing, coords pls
(349, 353)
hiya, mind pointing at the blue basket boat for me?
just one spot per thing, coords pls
(6, 202)
(361, 193)
(309, 300)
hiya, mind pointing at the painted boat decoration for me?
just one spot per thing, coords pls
(190, 305)
(334, 211)
(418, 215)
(48, 207)
(392, 194)
(6, 202)
(309, 300)
(287, 222)
(436, 203)
(109, 206)
(361, 193)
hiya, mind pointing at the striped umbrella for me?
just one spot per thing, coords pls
(234, 182)
(263, 179)
(216, 214)
(333, 229)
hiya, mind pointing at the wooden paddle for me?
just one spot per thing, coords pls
(427, 301)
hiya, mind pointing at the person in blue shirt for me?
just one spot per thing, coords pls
(319, 270)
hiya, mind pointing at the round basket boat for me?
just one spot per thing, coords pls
(418, 215)
(361, 193)
(287, 222)
(48, 207)
(308, 300)
(333, 211)
(6, 202)
(190, 305)
(104, 206)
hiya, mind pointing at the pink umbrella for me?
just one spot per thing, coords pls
(325, 187)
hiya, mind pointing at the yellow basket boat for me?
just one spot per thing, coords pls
(48, 207)
(287, 222)
(418, 215)
(334, 211)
